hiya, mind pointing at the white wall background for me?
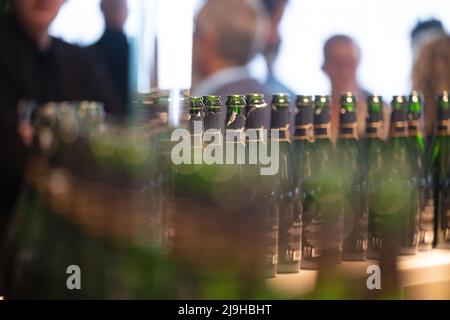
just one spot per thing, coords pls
(381, 27)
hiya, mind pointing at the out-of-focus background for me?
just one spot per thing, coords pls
(385, 41)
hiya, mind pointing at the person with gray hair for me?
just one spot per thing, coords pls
(228, 34)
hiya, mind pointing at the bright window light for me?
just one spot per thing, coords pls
(380, 27)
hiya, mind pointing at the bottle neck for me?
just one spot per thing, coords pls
(399, 129)
(399, 123)
(347, 125)
(374, 129)
(235, 118)
(414, 125)
(304, 124)
(322, 131)
(281, 125)
(443, 128)
(322, 124)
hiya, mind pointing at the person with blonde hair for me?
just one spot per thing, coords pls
(431, 75)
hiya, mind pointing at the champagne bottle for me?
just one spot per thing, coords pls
(235, 131)
(323, 222)
(304, 139)
(440, 161)
(260, 187)
(400, 171)
(373, 166)
(424, 176)
(286, 189)
(213, 117)
(355, 215)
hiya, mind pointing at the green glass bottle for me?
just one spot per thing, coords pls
(235, 130)
(401, 170)
(424, 177)
(260, 186)
(373, 166)
(304, 139)
(323, 222)
(196, 111)
(185, 175)
(440, 162)
(348, 149)
(234, 168)
(196, 119)
(213, 105)
(286, 189)
(236, 112)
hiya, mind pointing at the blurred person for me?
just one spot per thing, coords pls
(228, 34)
(424, 33)
(112, 49)
(276, 10)
(36, 67)
(342, 57)
(431, 76)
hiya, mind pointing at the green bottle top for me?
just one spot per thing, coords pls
(375, 105)
(236, 119)
(322, 110)
(375, 117)
(280, 101)
(212, 103)
(347, 117)
(255, 100)
(349, 102)
(304, 120)
(415, 105)
(399, 103)
(196, 105)
(305, 107)
(304, 101)
(255, 111)
(281, 115)
(399, 117)
(322, 117)
(443, 125)
(236, 104)
(444, 106)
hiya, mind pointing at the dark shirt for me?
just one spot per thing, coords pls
(62, 72)
(111, 54)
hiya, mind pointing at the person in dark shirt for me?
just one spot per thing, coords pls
(36, 67)
(112, 50)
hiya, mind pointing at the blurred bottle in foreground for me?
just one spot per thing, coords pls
(83, 207)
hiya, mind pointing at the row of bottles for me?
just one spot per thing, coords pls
(271, 201)
(328, 201)
(111, 200)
